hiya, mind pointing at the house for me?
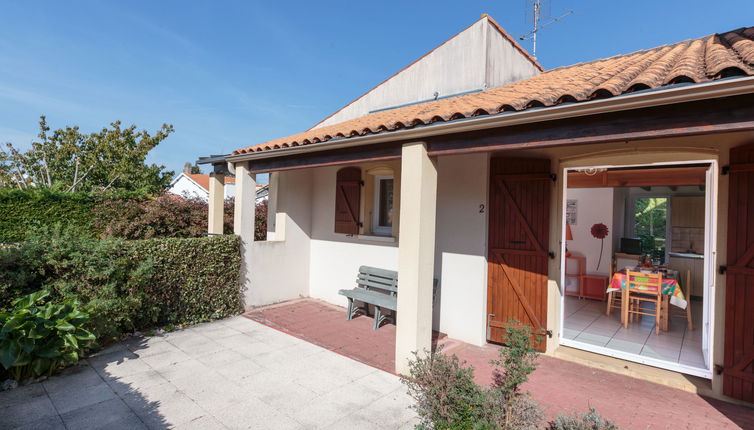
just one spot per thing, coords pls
(476, 167)
(196, 185)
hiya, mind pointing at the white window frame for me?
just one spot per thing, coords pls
(710, 263)
(376, 227)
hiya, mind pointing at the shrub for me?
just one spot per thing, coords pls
(195, 279)
(512, 409)
(446, 396)
(165, 216)
(23, 211)
(128, 285)
(37, 338)
(260, 221)
(72, 265)
(587, 421)
(445, 392)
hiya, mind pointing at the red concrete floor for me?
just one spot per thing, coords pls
(557, 385)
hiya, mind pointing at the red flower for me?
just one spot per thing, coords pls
(599, 231)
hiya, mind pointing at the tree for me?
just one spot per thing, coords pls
(66, 159)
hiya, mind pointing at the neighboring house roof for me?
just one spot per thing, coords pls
(203, 180)
(700, 60)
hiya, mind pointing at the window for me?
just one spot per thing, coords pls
(651, 225)
(382, 214)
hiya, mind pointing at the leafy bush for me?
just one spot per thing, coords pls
(128, 285)
(165, 216)
(446, 396)
(445, 392)
(588, 421)
(509, 407)
(23, 211)
(37, 338)
(260, 221)
(195, 279)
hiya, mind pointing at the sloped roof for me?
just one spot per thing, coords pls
(203, 180)
(698, 60)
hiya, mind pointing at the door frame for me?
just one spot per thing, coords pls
(710, 261)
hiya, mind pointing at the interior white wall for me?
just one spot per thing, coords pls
(594, 205)
(280, 268)
(461, 247)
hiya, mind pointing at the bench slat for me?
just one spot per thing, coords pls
(383, 273)
(369, 284)
(371, 297)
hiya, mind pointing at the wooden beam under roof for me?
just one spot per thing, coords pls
(650, 177)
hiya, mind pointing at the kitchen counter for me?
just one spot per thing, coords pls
(686, 255)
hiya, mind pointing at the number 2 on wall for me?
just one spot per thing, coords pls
(481, 208)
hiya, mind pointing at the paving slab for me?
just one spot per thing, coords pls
(228, 374)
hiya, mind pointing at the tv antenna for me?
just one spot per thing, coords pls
(538, 14)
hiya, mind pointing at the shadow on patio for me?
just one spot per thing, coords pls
(558, 385)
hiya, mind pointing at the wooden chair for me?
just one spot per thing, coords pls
(686, 288)
(614, 298)
(634, 296)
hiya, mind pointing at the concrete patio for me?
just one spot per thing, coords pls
(229, 374)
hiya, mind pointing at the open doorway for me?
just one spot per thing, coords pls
(636, 262)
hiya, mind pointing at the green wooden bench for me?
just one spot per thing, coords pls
(377, 287)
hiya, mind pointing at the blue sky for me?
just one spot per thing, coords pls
(231, 74)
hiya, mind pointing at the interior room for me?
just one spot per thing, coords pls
(634, 264)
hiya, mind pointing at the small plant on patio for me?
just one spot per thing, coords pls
(588, 421)
(445, 392)
(511, 408)
(448, 398)
(37, 337)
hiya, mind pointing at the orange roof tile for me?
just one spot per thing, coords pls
(203, 180)
(698, 60)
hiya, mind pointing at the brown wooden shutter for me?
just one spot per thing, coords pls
(738, 365)
(347, 200)
(519, 229)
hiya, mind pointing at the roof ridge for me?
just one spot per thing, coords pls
(483, 16)
(513, 41)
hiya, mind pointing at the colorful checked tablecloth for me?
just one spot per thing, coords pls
(670, 287)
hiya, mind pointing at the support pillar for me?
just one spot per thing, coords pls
(416, 254)
(245, 203)
(216, 200)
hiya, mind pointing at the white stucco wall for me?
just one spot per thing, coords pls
(280, 268)
(335, 258)
(461, 247)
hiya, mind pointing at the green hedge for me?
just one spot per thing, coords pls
(127, 285)
(23, 211)
(194, 280)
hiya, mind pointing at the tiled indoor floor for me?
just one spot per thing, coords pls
(585, 321)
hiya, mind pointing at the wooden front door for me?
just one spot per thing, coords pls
(738, 366)
(519, 209)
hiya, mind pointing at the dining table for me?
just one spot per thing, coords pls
(672, 293)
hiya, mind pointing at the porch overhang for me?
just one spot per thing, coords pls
(698, 109)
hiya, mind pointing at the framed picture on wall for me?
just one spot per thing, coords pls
(571, 212)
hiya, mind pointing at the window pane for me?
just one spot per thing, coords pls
(651, 225)
(386, 203)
